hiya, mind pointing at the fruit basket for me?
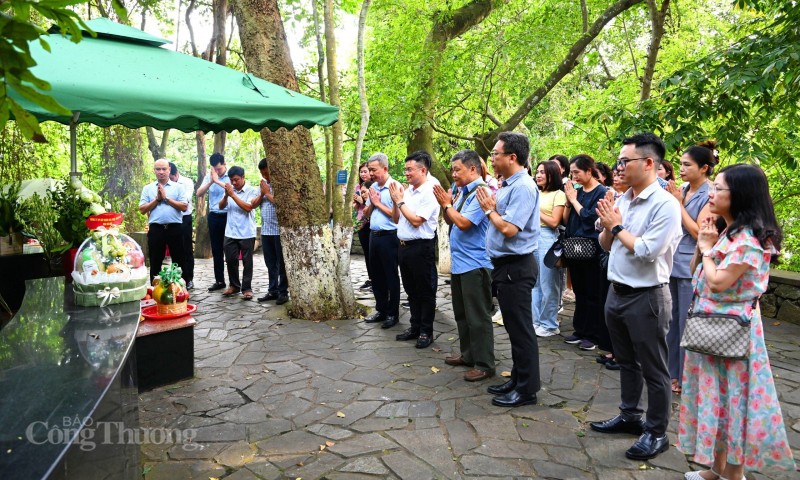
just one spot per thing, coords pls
(109, 269)
(169, 291)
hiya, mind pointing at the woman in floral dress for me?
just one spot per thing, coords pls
(730, 417)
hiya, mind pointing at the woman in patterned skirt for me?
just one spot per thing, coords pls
(730, 417)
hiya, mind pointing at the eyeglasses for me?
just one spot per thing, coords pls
(623, 162)
(494, 153)
(714, 189)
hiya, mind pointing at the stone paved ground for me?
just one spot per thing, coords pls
(275, 397)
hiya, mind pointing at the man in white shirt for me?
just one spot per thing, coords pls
(186, 227)
(416, 213)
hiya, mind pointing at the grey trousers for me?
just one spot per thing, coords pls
(638, 324)
(472, 308)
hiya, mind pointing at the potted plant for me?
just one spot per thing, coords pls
(12, 213)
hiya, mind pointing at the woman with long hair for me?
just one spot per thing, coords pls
(588, 278)
(666, 171)
(697, 165)
(606, 176)
(730, 417)
(547, 291)
(360, 222)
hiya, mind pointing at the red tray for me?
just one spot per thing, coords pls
(151, 313)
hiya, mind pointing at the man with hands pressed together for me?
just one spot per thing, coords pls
(471, 282)
(511, 239)
(416, 214)
(383, 244)
(214, 183)
(641, 231)
(240, 201)
(164, 201)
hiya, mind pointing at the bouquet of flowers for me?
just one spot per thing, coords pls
(74, 204)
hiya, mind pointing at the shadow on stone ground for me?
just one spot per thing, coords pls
(275, 397)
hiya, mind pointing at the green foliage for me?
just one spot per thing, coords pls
(74, 203)
(12, 210)
(41, 219)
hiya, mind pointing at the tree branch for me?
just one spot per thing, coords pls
(452, 135)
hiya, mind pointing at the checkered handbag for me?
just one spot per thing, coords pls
(721, 335)
(718, 334)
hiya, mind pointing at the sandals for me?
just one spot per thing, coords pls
(248, 295)
(230, 291)
(676, 387)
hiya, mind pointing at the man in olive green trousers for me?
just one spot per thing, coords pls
(470, 266)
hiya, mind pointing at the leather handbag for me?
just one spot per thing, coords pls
(718, 334)
(580, 248)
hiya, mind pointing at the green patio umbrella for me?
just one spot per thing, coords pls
(124, 77)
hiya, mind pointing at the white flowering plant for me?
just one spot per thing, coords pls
(74, 204)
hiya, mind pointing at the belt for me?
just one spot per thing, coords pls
(218, 213)
(163, 225)
(622, 289)
(408, 243)
(505, 260)
(380, 233)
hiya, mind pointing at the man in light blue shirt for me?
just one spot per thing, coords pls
(383, 244)
(511, 239)
(471, 283)
(278, 289)
(164, 201)
(240, 201)
(214, 183)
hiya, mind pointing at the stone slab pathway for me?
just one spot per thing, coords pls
(277, 398)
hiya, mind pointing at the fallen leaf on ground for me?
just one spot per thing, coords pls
(406, 364)
(643, 467)
(434, 370)
(329, 443)
(451, 339)
(505, 373)
(436, 349)
(322, 447)
(333, 328)
(776, 323)
(340, 414)
(338, 391)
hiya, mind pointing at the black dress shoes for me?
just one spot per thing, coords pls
(375, 318)
(502, 389)
(648, 446)
(216, 286)
(424, 340)
(409, 334)
(619, 425)
(268, 297)
(390, 322)
(514, 399)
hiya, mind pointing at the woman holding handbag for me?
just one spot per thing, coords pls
(582, 255)
(547, 291)
(730, 417)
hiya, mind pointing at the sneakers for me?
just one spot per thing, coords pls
(497, 318)
(573, 339)
(545, 332)
(367, 284)
(586, 345)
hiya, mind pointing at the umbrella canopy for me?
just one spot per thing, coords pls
(124, 77)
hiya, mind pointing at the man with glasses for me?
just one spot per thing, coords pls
(383, 244)
(511, 239)
(416, 213)
(641, 231)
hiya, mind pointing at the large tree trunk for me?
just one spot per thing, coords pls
(157, 149)
(308, 246)
(446, 27)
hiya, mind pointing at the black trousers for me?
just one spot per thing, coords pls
(276, 268)
(417, 258)
(234, 246)
(188, 248)
(216, 234)
(363, 237)
(383, 247)
(590, 284)
(159, 237)
(514, 279)
(638, 323)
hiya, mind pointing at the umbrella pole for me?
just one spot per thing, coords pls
(73, 145)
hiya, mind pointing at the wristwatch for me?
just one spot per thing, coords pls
(400, 204)
(489, 212)
(447, 206)
(616, 230)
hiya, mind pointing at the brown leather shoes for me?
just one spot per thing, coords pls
(455, 361)
(230, 291)
(476, 375)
